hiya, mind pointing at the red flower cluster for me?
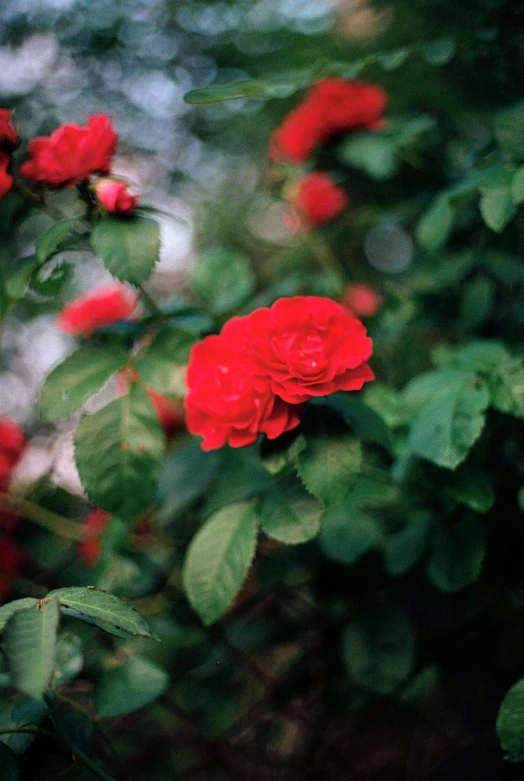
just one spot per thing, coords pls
(317, 199)
(332, 105)
(12, 444)
(114, 196)
(362, 300)
(100, 307)
(90, 548)
(9, 140)
(71, 154)
(254, 377)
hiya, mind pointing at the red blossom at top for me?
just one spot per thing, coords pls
(101, 307)
(71, 154)
(223, 404)
(362, 300)
(332, 105)
(114, 196)
(317, 199)
(9, 138)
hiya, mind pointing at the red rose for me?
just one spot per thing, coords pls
(115, 197)
(12, 444)
(6, 180)
(9, 138)
(222, 403)
(361, 300)
(72, 153)
(100, 307)
(90, 548)
(330, 106)
(11, 563)
(170, 411)
(317, 198)
(309, 346)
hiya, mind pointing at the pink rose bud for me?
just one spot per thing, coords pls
(115, 197)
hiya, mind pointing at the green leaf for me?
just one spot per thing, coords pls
(50, 241)
(367, 423)
(78, 378)
(405, 548)
(241, 477)
(476, 303)
(484, 355)
(186, 475)
(29, 645)
(160, 364)
(129, 248)
(470, 486)
(132, 685)
(223, 279)
(219, 558)
(104, 610)
(496, 201)
(373, 153)
(508, 126)
(439, 52)
(506, 268)
(458, 553)
(279, 455)
(69, 657)
(330, 462)
(288, 514)
(506, 387)
(51, 281)
(6, 611)
(510, 723)
(346, 533)
(451, 421)
(119, 452)
(8, 764)
(17, 280)
(217, 93)
(379, 650)
(73, 727)
(517, 186)
(435, 226)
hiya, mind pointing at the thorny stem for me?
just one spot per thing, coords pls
(48, 520)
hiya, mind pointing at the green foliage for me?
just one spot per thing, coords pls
(51, 241)
(508, 127)
(224, 280)
(219, 558)
(29, 645)
(347, 533)
(8, 764)
(78, 378)
(129, 248)
(288, 514)
(162, 364)
(131, 685)
(104, 610)
(6, 611)
(119, 451)
(510, 723)
(457, 555)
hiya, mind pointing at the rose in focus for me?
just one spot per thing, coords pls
(332, 105)
(316, 199)
(254, 377)
(98, 308)
(114, 196)
(71, 154)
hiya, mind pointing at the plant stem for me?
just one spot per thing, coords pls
(46, 518)
(327, 260)
(150, 304)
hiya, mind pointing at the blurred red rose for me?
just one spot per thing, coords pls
(11, 563)
(309, 346)
(9, 138)
(222, 403)
(115, 197)
(72, 153)
(6, 180)
(317, 198)
(332, 105)
(361, 300)
(170, 411)
(100, 307)
(90, 548)
(12, 444)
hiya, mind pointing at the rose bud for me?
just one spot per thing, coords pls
(362, 300)
(9, 138)
(114, 196)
